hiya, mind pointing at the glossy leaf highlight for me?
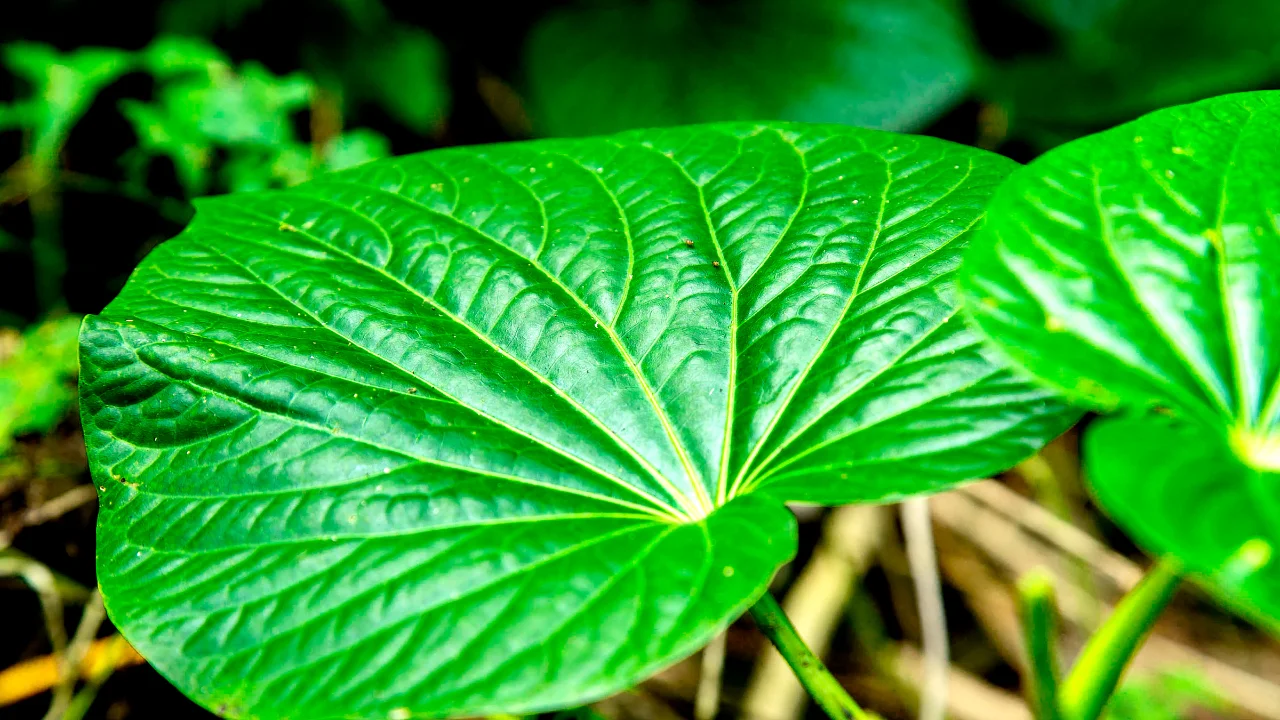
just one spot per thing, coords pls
(508, 428)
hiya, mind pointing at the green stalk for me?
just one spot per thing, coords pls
(1035, 590)
(813, 675)
(1093, 680)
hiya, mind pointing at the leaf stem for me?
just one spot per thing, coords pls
(1093, 680)
(817, 680)
(1035, 590)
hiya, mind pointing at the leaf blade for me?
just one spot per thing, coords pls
(333, 406)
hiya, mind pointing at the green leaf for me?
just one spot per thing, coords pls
(1140, 56)
(355, 147)
(8, 241)
(1138, 269)
(200, 17)
(224, 105)
(63, 85)
(508, 428)
(36, 371)
(1179, 490)
(205, 104)
(1071, 15)
(890, 64)
(170, 56)
(161, 133)
(403, 69)
(1169, 694)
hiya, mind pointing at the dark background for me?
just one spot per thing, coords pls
(1042, 72)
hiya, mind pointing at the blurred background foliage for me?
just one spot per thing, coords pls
(114, 116)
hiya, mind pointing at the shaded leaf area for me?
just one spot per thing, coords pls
(1116, 59)
(888, 64)
(1138, 270)
(1176, 489)
(530, 409)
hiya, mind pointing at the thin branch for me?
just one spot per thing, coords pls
(918, 533)
(707, 702)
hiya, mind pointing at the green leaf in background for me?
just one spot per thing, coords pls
(1139, 270)
(62, 86)
(229, 106)
(205, 104)
(509, 428)
(402, 69)
(1135, 56)
(1069, 16)
(202, 17)
(355, 147)
(374, 59)
(37, 371)
(890, 64)
(1176, 694)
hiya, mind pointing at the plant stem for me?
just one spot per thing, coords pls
(817, 680)
(917, 530)
(1039, 629)
(706, 702)
(48, 258)
(1097, 671)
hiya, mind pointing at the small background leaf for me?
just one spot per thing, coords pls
(36, 377)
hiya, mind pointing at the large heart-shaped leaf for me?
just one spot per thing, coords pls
(888, 64)
(1139, 269)
(508, 428)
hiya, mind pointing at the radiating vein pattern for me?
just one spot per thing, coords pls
(479, 430)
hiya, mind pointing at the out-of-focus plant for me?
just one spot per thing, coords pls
(1167, 695)
(206, 108)
(223, 126)
(399, 67)
(1115, 59)
(608, 66)
(60, 87)
(37, 371)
